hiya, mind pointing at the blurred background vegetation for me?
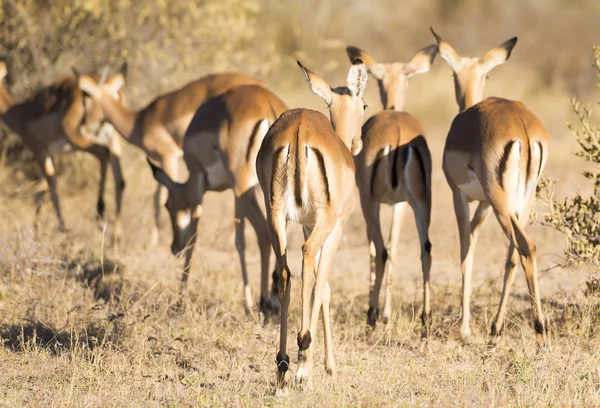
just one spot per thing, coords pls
(170, 42)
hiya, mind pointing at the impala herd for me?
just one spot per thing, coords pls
(233, 133)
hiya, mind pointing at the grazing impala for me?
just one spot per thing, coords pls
(394, 167)
(306, 170)
(52, 117)
(495, 152)
(159, 128)
(220, 149)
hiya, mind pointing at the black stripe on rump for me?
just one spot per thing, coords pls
(419, 159)
(503, 162)
(374, 170)
(322, 172)
(396, 167)
(298, 173)
(252, 139)
(276, 165)
(541, 158)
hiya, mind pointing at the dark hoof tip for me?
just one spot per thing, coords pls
(372, 316)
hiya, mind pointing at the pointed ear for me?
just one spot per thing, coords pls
(88, 86)
(497, 56)
(160, 176)
(421, 62)
(116, 82)
(374, 68)
(317, 84)
(357, 78)
(447, 52)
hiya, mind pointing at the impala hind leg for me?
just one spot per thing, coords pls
(323, 228)
(422, 212)
(240, 244)
(513, 228)
(268, 303)
(397, 218)
(325, 262)
(379, 256)
(468, 232)
(277, 235)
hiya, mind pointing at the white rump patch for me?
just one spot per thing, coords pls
(473, 188)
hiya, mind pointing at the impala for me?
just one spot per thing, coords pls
(495, 152)
(220, 149)
(50, 118)
(394, 167)
(159, 128)
(306, 171)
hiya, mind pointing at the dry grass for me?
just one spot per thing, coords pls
(80, 329)
(76, 332)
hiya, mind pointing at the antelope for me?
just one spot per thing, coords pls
(394, 167)
(307, 174)
(495, 152)
(160, 127)
(50, 118)
(219, 149)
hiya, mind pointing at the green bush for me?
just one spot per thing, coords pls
(578, 217)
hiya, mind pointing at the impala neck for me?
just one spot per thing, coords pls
(121, 117)
(472, 95)
(393, 97)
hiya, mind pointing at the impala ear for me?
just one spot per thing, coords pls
(497, 56)
(357, 78)
(447, 52)
(162, 177)
(88, 86)
(422, 61)
(115, 83)
(374, 68)
(317, 84)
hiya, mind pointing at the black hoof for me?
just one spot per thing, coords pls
(372, 316)
(283, 362)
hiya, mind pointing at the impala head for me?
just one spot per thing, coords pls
(97, 91)
(393, 77)
(180, 206)
(345, 103)
(470, 74)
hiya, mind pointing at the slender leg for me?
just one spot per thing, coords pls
(326, 260)
(513, 228)
(510, 268)
(259, 224)
(240, 244)
(422, 217)
(469, 232)
(170, 166)
(119, 188)
(379, 256)
(324, 226)
(45, 161)
(397, 218)
(277, 234)
(103, 160)
(189, 251)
